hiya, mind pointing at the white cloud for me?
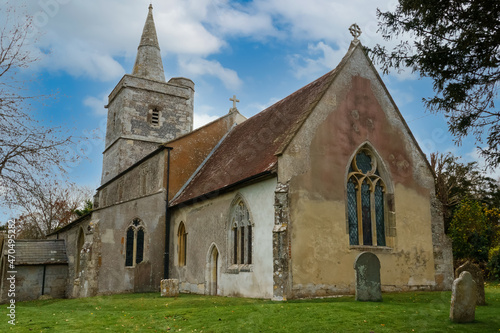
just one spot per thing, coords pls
(73, 30)
(242, 21)
(321, 57)
(201, 119)
(79, 61)
(199, 66)
(97, 104)
(475, 155)
(402, 98)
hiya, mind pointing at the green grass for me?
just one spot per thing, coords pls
(399, 312)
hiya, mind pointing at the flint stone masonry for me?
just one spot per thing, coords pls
(463, 299)
(477, 276)
(130, 133)
(367, 267)
(169, 288)
(280, 243)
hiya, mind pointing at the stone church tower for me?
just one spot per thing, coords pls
(144, 110)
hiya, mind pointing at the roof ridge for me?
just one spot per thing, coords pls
(200, 128)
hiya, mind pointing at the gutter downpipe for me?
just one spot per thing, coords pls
(167, 220)
(43, 279)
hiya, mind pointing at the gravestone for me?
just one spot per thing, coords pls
(367, 268)
(169, 288)
(463, 299)
(477, 276)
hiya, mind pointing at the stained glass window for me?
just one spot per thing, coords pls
(352, 212)
(380, 214)
(129, 251)
(134, 244)
(363, 162)
(366, 213)
(140, 246)
(241, 234)
(182, 241)
(365, 201)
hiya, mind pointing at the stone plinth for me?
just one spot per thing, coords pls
(170, 288)
(463, 299)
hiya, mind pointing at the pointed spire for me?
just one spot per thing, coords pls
(148, 63)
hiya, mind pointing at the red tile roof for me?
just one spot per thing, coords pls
(251, 148)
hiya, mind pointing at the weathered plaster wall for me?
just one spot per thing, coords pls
(207, 223)
(29, 281)
(139, 193)
(143, 180)
(355, 110)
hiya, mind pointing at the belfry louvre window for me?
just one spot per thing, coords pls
(366, 211)
(134, 243)
(155, 117)
(241, 234)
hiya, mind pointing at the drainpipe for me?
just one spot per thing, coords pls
(167, 220)
(43, 279)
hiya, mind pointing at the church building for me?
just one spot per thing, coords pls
(275, 206)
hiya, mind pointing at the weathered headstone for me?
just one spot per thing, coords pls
(169, 288)
(477, 276)
(367, 267)
(463, 299)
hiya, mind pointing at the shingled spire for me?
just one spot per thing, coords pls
(148, 63)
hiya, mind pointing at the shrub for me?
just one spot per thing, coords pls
(494, 263)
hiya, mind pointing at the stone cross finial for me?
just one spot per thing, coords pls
(355, 31)
(234, 100)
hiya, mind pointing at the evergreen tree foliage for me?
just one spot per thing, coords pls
(456, 43)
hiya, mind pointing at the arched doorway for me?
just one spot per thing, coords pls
(212, 270)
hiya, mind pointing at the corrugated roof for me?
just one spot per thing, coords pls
(40, 252)
(251, 148)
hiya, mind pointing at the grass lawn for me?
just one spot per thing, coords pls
(399, 312)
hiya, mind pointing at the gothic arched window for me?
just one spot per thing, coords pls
(134, 243)
(241, 234)
(366, 202)
(182, 242)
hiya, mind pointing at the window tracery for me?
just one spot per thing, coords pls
(134, 243)
(241, 234)
(366, 202)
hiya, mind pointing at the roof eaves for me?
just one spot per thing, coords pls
(271, 172)
(70, 225)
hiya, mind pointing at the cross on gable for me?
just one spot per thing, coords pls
(234, 100)
(355, 31)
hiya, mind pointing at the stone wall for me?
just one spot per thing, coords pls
(131, 133)
(83, 262)
(143, 180)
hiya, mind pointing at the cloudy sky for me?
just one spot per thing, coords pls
(259, 50)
